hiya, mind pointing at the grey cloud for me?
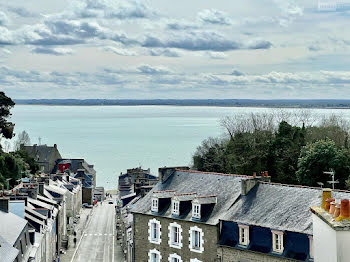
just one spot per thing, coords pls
(20, 11)
(237, 73)
(121, 9)
(119, 51)
(201, 41)
(53, 51)
(163, 52)
(4, 20)
(213, 16)
(6, 36)
(152, 70)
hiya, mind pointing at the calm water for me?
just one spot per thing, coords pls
(115, 138)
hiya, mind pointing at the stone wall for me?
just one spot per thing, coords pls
(142, 245)
(228, 254)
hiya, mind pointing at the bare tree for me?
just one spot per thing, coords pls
(22, 139)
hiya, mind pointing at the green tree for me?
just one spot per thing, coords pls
(6, 127)
(323, 155)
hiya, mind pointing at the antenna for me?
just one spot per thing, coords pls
(320, 184)
(332, 174)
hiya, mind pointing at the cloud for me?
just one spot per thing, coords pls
(6, 36)
(20, 11)
(109, 9)
(237, 73)
(53, 51)
(213, 16)
(216, 55)
(163, 52)
(203, 40)
(290, 11)
(153, 70)
(119, 51)
(4, 20)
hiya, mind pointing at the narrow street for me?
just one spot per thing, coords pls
(98, 240)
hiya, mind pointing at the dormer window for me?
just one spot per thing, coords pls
(196, 211)
(243, 235)
(154, 207)
(277, 241)
(175, 207)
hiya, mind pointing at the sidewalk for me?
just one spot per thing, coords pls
(85, 214)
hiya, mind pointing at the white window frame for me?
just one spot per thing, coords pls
(195, 260)
(155, 204)
(277, 241)
(174, 256)
(201, 240)
(196, 210)
(311, 244)
(151, 224)
(243, 235)
(175, 207)
(154, 252)
(171, 228)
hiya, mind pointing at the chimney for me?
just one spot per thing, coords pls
(4, 204)
(344, 210)
(165, 172)
(247, 184)
(55, 146)
(326, 193)
(336, 211)
(254, 175)
(41, 188)
(332, 208)
(328, 204)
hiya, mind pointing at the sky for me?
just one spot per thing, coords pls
(198, 49)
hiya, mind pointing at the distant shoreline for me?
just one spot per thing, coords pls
(278, 103)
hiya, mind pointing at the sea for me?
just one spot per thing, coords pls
(116, 138)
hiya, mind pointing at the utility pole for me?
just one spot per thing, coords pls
(332, 174)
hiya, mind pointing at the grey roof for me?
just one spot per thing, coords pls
(11, 227)
(227, 188)
(276, 206)
(185, 197)
(7, 252)
(205, 200)
(42, 153)
(164, 193)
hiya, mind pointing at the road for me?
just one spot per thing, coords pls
(98, 241)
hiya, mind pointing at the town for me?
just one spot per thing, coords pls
(178, 215)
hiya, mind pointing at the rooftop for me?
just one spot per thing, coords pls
(11, 227)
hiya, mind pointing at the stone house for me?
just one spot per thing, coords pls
(178, 220)
(45, 156)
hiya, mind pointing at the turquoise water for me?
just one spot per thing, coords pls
(115, 138)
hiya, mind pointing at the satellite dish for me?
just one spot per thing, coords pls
(320, 184)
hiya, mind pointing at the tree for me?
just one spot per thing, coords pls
(6, 127)
(22, 139)
(323, 155)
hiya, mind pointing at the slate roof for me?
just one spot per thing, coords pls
(42, 153)
(7, 252)
(276, 206)
(11, 227)
(227, 188)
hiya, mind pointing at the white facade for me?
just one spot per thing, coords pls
(329, 244)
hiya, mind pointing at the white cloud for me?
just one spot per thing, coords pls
(213, 16)
(4, 20)
(119, 51)
(58, 51)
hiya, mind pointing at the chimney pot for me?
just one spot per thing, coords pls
(336, 211)
(344, 210)
(326, 193)
(328, 204)
(254, 174)
(332, 208)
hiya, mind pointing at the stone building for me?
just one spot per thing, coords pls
(45, 156)
(198, 216)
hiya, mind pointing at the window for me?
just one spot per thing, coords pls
(154, 256)
(174, 258)
(243, 235)
(311, 248)
(196, 211)
(196, 239)
(175, 235)
(175, 207)
(154, 207)
(154, 231)
(277, 241)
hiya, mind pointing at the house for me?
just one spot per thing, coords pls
(45, 156)
(14, 235)
(135, 182)
(178, 220)
(99, 193)
(203, 216)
